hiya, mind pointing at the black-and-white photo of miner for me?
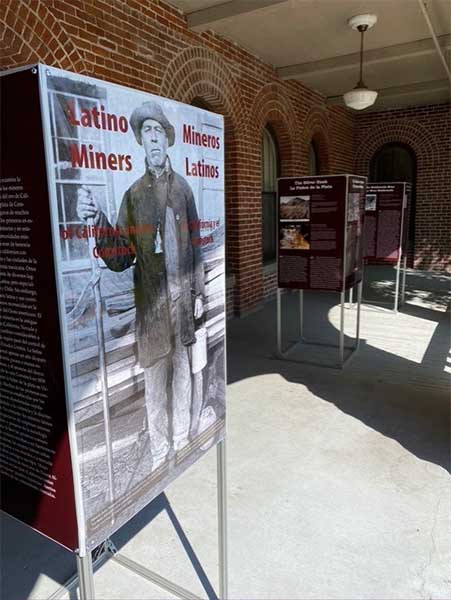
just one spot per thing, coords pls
(139, 239)
(157, 231)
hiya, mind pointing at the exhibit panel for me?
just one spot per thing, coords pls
(320, 221)
(37, 484)
(131, 209)
(354, 231)
(386, 221)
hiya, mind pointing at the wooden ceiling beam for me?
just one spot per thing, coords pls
(207, 18)
(411, 89)
(375, 56)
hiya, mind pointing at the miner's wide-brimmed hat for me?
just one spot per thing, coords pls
(151, 110)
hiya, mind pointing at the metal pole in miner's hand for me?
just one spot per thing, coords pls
(96, 274)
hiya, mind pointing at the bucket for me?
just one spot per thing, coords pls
(199, 350)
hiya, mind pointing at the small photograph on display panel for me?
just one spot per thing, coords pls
(139, 187)
(370, 201)
(294, 236)
(295, 208)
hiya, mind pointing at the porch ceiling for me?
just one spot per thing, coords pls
(309, 40)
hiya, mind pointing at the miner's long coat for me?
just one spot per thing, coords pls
(144, 204)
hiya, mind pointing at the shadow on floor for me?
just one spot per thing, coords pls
(22, 547)
(401, 399)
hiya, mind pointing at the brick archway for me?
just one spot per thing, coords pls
(199, 74)
(414, 135)
(315, 130)
(272, 107)
(32, 34)
(430, 246)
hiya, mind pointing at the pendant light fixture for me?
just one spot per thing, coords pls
(361, 97)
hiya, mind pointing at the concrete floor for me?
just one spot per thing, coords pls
(339, 481)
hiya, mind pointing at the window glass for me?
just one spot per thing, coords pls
(270, 163)
(397, 162)
(393, 162)
(313, 163)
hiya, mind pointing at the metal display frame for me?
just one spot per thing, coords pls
(401, 263)
(400, 290)
(342, 361)
(86, 564)
(87, 560)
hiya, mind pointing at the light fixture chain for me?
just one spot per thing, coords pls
(362, 32)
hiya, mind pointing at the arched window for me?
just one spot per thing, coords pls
(396, 162)
(313, 162)
(270, 172)
(393, 162)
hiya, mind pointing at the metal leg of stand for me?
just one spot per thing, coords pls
(301, 313)
(85, 577)
(73, 581)
(154, 578)
(222, 521)
(279, 321)
(342, 328)
(403, 286)
(398, 271)
(359, 302)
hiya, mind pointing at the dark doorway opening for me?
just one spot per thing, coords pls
(397, 162)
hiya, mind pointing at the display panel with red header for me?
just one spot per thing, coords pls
(386, 222)
(320, 221)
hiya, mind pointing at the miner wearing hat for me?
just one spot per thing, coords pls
(159, 236)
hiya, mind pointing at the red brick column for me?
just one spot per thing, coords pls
(271, 106)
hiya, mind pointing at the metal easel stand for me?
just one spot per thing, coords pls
(84, 578)
(400, 289)
(342, 361)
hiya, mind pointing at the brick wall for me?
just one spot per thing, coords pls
(230, 296)
(269, 281)
(427, 131)
(146, 44)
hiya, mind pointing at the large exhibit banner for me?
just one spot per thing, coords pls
(136, 198)
(386, 221)
(320, 221)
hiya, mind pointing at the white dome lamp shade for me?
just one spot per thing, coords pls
(361, 97)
